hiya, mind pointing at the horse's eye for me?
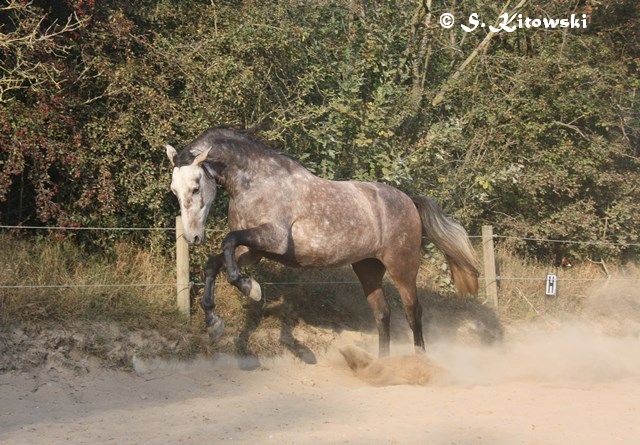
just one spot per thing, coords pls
(196, 190)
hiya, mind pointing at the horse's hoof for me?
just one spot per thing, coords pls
(215, 328)
(255, 293)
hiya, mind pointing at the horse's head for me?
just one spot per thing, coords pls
(195, 189)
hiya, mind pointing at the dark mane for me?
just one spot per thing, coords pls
(238, 141)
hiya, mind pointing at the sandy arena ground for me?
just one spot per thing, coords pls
(570, 385)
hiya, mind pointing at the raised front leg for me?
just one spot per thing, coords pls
(264, 238)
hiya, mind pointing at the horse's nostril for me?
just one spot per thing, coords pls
(196, 239)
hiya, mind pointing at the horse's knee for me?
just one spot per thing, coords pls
(229, 243)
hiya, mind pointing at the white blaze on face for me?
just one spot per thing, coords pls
(195, 193)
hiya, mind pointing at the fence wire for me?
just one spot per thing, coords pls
(173, 229)
(296, 283)
(561, 241)
(281, 283)
(104, 229)
(54, 286)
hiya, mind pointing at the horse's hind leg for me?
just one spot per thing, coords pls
(370, 273)
(403, 271)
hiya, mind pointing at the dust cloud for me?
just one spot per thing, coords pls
(601, 344)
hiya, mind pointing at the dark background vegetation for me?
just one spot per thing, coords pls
(538, 135)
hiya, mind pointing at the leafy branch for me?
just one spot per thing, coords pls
(21, 47)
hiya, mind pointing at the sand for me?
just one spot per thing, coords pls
(568, 384)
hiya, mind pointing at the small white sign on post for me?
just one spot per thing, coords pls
(552, 285)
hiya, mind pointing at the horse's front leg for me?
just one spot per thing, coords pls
(264, 238)
(215, 325)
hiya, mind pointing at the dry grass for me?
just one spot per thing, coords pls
(526, 299)
(301, 317)
(45, 261)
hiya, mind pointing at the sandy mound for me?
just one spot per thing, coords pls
(400, 370)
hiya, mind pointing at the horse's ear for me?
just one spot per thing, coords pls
(171, 154)
(201, 157)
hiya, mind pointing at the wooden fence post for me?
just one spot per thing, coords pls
(182, 269)
(490, 284)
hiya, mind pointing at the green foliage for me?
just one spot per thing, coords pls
(538, 135)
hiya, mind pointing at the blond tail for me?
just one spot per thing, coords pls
(451, 238)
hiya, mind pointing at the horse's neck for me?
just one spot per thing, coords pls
(253, 171)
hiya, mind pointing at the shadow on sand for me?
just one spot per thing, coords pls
(333, 299)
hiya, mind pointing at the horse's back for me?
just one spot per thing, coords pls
(341, 222)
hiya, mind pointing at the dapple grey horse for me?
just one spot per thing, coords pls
(281, 211)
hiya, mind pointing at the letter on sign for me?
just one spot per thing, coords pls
(552, 285)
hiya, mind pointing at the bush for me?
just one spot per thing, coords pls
(537, 135)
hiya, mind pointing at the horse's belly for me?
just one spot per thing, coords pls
(332, 246)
